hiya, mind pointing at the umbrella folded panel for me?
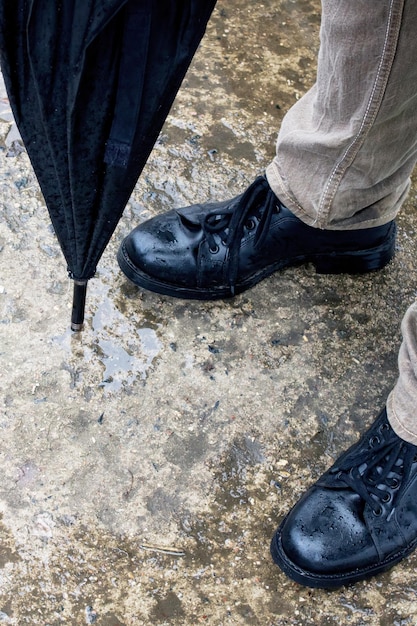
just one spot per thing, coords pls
(91, 84)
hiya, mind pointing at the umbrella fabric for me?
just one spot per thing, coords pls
(90, 84)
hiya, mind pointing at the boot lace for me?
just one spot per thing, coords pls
(229, 224)
(378, 473)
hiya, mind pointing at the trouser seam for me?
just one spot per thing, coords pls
(371, 112)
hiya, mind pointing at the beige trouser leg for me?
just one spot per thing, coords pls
(346, 149)
(402, 401)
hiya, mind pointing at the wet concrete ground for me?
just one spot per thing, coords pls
(147, 461)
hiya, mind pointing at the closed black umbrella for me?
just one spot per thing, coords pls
(90, 83)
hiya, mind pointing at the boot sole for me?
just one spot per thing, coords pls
(347, 262)
(335, 581)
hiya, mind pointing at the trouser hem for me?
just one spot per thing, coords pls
(397, 423)
(280, 190)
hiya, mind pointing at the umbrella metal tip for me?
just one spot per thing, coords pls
(78, 305)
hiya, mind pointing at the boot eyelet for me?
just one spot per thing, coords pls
(214, 249)
(395, 483)
(250, 224)
(374, 441)
(386, 497)
(378, 512)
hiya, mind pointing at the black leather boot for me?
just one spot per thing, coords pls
(359, 519)
(216, 250)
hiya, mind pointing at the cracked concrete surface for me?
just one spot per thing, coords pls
(147, 461)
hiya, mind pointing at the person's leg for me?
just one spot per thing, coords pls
(346, 149)
(360, 518)
(344, 156)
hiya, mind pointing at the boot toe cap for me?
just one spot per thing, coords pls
(159, 248)
(326, 534)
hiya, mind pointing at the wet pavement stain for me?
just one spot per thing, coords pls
(8, 552)
(147, 462)
(167, 608)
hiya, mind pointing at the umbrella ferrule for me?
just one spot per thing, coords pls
(78, 305)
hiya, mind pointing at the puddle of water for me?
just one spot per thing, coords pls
(123, 367)
(123, 345)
